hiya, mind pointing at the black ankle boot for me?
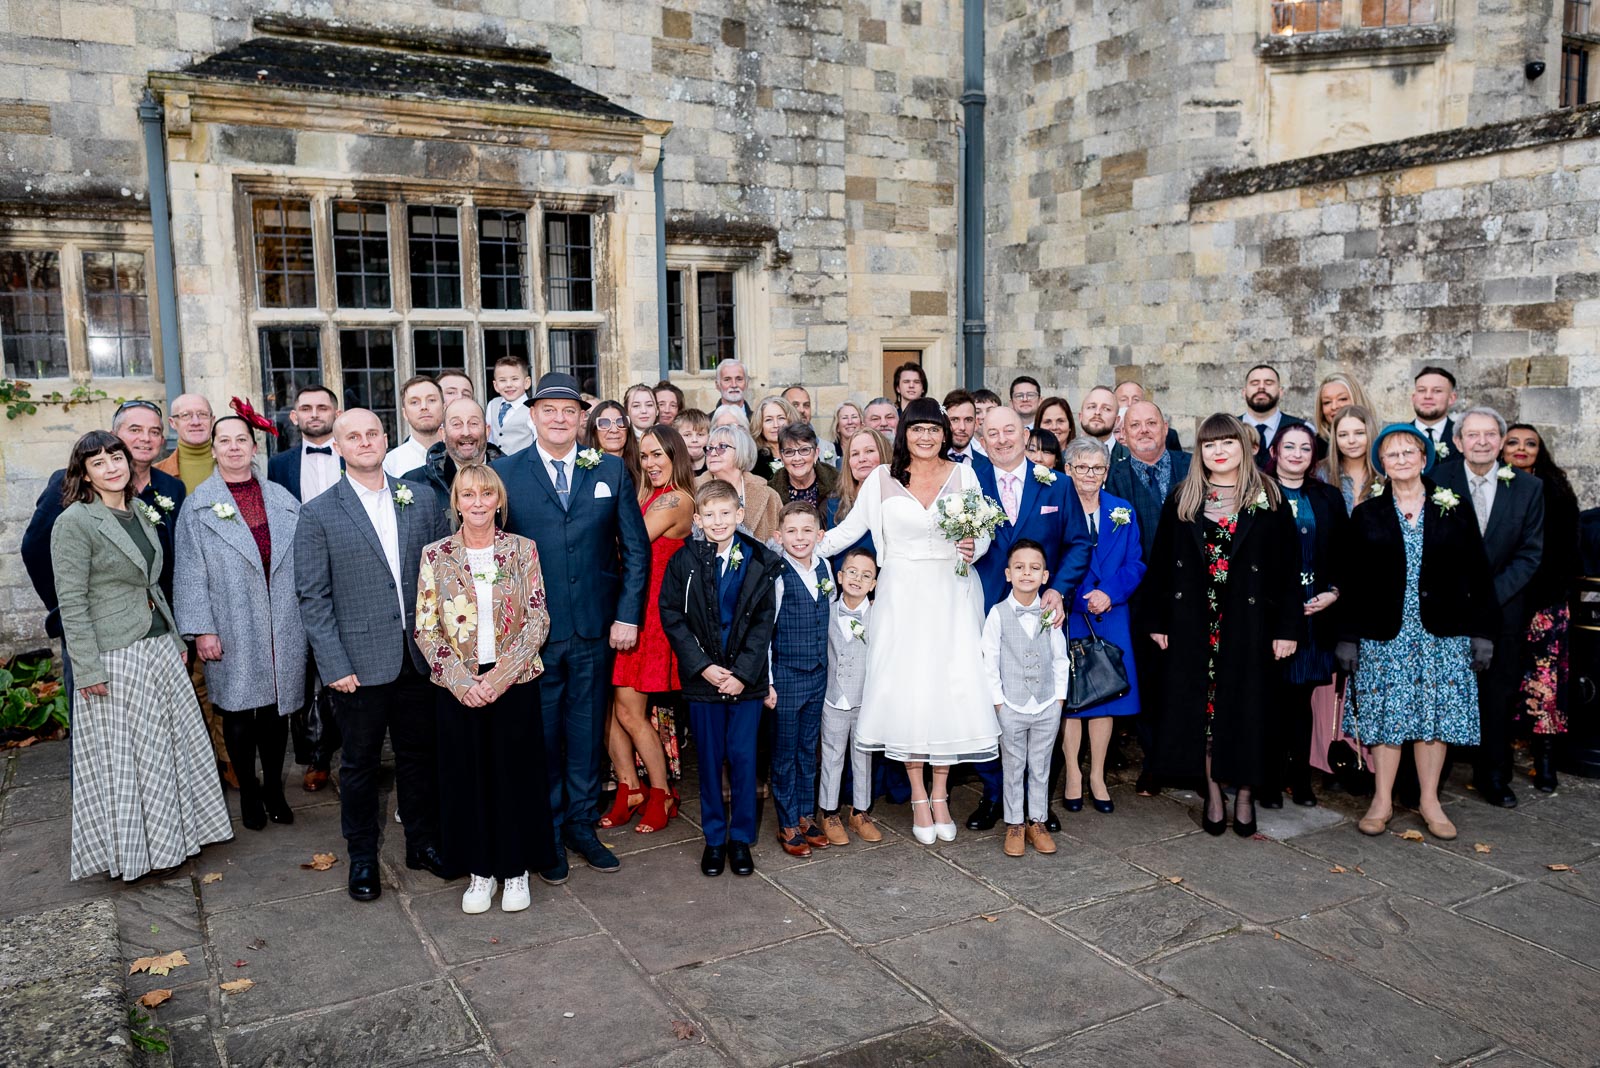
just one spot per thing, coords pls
(1544, 763)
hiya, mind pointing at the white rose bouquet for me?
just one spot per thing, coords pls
(968, 515)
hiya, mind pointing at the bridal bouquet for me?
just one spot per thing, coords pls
(968, 515)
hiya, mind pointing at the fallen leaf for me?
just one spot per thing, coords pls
(1559, 867)
(1276, 935)
(321, 862)
(1174, 879)
(154, 998)
(154, 929)
(1360, 870)
(1479, 847)
(256, 943)
(210, 877)
(1412, 835)
(683, 1029)
(161, 965)
(1336, 870)
(990, 919)
(238, 986)
(26, 742)
(241, 964)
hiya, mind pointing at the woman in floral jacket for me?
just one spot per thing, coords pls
(481, 621)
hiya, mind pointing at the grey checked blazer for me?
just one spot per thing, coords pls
(218, 588)
(352, 616)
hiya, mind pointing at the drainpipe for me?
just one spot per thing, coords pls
(151, 117)
(661, 261)
(973, 326)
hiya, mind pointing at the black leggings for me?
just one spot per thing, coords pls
(248, 733)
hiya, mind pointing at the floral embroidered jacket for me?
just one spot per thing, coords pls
(447, 614)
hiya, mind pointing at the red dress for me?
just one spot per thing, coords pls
(650, 667)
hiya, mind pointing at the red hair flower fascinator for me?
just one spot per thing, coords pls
(244, 411)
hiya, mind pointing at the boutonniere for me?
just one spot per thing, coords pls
(1043, 475)
(1121, 517)
(490, 576)
(151, 516)
(1506, 473)
(1294, 507)
(1445, 499)
(1261, 501)
(825, 587)
(858, 630)
(1377, 488)
(224, 511)
(1440, 450)
(164, 502)
(775, 466)
(588, 458)
(735, 556)
(1047, 619)
(402, 496)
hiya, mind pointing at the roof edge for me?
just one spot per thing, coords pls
(437, 42)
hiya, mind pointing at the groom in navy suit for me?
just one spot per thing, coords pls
(1043, 511)
(581, 509)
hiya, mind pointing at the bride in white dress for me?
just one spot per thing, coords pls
(925, 699)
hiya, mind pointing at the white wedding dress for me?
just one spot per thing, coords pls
(926, 699)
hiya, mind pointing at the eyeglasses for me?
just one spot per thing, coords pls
(611, 424)
(1089, 469)
(797, 454)
(718, 450)
(924, 428)
(192, 417)
(1025, 395)
(857, 573)
(147, 405)
(1390, 457)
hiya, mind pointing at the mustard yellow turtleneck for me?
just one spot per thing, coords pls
(195, 464)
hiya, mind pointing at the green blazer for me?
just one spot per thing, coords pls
(106, 592)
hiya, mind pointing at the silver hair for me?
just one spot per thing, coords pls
(1085, 447)
(744, 446)
(875, 401)
(731, 362)
(1482, 409)
(731, 408)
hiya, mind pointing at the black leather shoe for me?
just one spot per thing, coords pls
(1246, 830)
(594, 852)
(1052, 822)
(1544, 764)
(1107, 806)
(1496, 792)
(1303, 796)
(364, 884)
(1074, 804)
(985, 816)
(713, 860)
(427, 859)
(556, 874)
(278, 810)
(739, 861)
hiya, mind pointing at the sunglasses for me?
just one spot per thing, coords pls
(147, 405)
(718, 450)
(611, 424)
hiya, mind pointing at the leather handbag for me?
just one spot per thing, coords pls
(1097, 672)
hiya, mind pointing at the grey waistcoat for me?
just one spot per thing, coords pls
(847, 659)
(1027, 674)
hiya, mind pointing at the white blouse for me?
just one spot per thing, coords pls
(483, 576)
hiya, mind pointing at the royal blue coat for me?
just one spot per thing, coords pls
(1116, 567)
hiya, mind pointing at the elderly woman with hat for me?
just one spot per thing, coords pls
(1418, 619)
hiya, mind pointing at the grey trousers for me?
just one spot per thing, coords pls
(838, 727)
(1025, 749)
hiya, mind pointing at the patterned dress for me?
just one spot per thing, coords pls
(1219, 543)
(1417, 686)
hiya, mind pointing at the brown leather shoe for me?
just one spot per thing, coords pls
(794, 843)
(315, 780)
(815, 836)
(1014, 842)
(229, 779)
(864, 827)
(1039, 838)
(833, 827)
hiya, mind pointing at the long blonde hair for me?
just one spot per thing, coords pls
(758, 413)
(1252, 484)
(848, 487)
(1334, 463)
(1358, 399)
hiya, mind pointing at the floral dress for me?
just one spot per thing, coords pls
(1219, 543)
(1416, 686)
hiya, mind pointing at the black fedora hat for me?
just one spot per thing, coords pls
(557, 386)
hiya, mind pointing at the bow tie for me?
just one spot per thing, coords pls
(1027, 609)
(843, 611)
(319, 450)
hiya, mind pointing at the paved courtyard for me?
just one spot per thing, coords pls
(1144, 941)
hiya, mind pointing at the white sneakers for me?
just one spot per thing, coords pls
(480, 893)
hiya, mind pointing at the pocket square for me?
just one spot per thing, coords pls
(601, 490)
(1047, 509)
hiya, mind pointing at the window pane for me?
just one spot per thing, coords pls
(33, 329)
(367, 359)
(675, 339)
(569, 262)
(435, 243)
(286, 273)
(361, 255)
(503, 342)
(577, 353)
(291, 357)
(503, 258)
(1576, 19)
(117, 319)
(439, 350)
(716, 317)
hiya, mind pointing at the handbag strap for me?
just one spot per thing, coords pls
(1090, 625)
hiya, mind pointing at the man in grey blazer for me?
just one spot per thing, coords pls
(1509, 507)
(356, 557)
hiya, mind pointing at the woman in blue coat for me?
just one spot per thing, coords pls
(1115, 570)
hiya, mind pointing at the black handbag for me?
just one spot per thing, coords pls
(1097, 672)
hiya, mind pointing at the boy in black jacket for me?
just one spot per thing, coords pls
(718, 608)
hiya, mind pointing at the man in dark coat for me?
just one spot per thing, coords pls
(465, 442)
(1262, 392)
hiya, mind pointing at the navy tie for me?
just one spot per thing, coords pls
(562, 489)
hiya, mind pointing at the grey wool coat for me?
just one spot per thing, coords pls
(218, 588)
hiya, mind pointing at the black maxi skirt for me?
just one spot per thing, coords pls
(494, 806)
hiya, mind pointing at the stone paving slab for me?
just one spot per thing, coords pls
(1559, 921)
(396, 1026)
(1136, 821)
(1173, 1033)
(61, 994)
(555, 915)
(264, 865)
(1136, 927)
(36, 869)
(779, 1004)
(1260, 879)
(29, 804)
(1075, 873)
(935, 1045)
(1418, 868)
(1521, 844)
(1450, 963)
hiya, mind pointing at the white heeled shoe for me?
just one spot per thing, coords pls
(946, 832)
(480, 892)
(925, 835)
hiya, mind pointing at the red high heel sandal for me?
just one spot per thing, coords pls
(673, 803)
(623, 808)
(655, 812)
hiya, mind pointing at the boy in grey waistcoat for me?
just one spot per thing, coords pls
(848, 625)
(1025, 659)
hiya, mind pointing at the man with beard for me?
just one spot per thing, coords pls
(1098, 416)
(1433, 394)
(1262, 391)
(732, 381)
(962, 411)
(466, 442)
(881, 415)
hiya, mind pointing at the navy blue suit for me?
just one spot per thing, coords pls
(284, 469)
(1051, 516)
(595, 558)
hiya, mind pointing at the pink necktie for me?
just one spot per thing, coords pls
(1008, 496)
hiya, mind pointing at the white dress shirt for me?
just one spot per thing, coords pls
(379, 505)
(1434, 431)
(1030, 626)
(569, 464)
(510, 423)
(409, 455)
(1019, 473)
(318, 471)
(808, 575)
(1253, 421)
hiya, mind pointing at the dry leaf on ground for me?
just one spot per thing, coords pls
(256, 943)
(1411, 835)
(210, 877)
(1174, 879)
(1559, 867)
(990, 919)
(1337, 869)
(161, 965)
(683, 1029)
(321, 862)
(154, 998)
(241, 964)
(1479, 847)
(238, 986)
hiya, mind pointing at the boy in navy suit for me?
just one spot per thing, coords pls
(718, 608)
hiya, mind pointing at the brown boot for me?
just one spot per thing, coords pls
(1014, 842)
(1039, 838)
(833, 827)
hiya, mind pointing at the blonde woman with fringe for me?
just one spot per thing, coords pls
(1348, 464)
(1223, 589)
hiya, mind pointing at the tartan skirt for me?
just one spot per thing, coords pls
(145, 791)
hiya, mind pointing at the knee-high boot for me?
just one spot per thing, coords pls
(239, 734)
(272, 739)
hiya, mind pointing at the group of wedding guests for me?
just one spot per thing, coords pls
(526, 599)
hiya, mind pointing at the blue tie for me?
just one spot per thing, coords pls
(500, 420)
(562, 489)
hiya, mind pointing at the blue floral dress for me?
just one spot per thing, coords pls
(1417, 686)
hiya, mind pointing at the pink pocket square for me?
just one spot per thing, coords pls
(1047, 509)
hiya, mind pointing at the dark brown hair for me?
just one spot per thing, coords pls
(671, 443)
(75, 487)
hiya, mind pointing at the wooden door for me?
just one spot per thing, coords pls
(893, 358)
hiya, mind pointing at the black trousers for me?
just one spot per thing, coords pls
(494, 801)
(1497, 689)
(1289, 739)
(404, 710)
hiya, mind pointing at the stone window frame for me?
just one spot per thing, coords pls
(401, 317)
(750, 299)
(71, 237)
(1351, 36)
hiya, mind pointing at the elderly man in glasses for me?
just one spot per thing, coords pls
(191, 461)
